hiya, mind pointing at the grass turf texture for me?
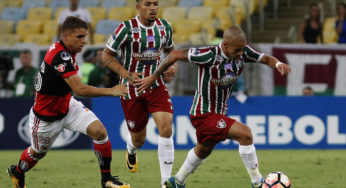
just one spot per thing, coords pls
(223, 169)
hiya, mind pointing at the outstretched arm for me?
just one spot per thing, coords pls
(276, 64)
(170, 73)
(174, 56)
(113, 64)
(83, 90)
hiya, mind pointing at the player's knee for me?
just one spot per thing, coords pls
(100, 133)
(138, 142)
(166, 131)
(246, 137)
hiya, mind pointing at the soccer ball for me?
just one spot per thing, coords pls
(276, 180)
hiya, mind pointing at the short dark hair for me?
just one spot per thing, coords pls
(72, 23)
(25, 51)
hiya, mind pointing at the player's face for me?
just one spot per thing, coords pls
(75, 39)
(314, 11)
(25, 59)
(234, 49)
(148, 9)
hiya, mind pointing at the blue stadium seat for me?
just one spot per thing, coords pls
(106, 27)
(111, 3)
(28, 4)
(89, 3)
(13, 14)
(190, 3)
(54, 4)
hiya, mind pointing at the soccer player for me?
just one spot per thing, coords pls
(55, 109)
(141, 40)
(218, 69)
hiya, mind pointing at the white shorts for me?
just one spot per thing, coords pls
(43, 133)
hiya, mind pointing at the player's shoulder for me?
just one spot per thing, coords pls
(56, 52)
(164, 22)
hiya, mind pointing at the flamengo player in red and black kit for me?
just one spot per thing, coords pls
(140, 41)
(55, 109)
(218, 68)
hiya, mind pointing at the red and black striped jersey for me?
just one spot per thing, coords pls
(52, 92)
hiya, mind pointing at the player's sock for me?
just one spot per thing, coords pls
(26, 162)
(131, 149)
(249, 157)
(166, 157)
(103, 152)
(191, 163)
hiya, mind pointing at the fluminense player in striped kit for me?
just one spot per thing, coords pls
(140, 41)
(218, 68)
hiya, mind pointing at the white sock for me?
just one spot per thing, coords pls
(249, 157)
(191, 163)
(131, 149)
(166, 157)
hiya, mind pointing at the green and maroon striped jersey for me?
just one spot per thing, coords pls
(217, 75)
(141, 47)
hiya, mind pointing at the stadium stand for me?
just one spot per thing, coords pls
(111, 3)
(190, 3)
(121, 13)
(9, 39)
(216, 4)
(58, 11)
(89, 3)
(12, 14)
(57, 4)
(26, 27)
(329, 32)
(174, 13)
(40, 39)
(99, 38)
(97, 13)
(50, 27)
(106, 27)
(12, 3)
(6, 27)
(28, 4)
(200, 13)
(40, 13)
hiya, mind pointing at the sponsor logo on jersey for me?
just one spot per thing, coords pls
(135, 30)
(196, 51)
(65, 56)
(43, 66)
(38, 82)
(221, 124)
(131, 124)
(85, 108)
(228, 66)
(65, 137)
(218, 58)
(60, 67)
(148, 56)
(23, 165)
(151, 38)
(226, 81)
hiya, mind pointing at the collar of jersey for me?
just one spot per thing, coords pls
(62, 43)
(143, 26)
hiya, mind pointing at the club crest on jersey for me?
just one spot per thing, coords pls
(135, 30)
(218, 58)
(148, 56)
(151, 38)
(228, 66)
(60, 67)
(221, 124)
(161, 27)
(23, 165)
(131, 124)
(65, 56)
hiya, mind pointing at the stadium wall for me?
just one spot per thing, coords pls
(276, 123)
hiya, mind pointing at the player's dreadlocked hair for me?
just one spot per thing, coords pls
(72, 23)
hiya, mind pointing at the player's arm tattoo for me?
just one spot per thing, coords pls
(174, 56)
(130, 77)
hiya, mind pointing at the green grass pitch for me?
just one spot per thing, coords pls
(223, 169)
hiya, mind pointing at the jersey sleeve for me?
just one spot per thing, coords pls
(200, 55)
(62, 65)
(252, 55)
(169, 43)
(118, 38)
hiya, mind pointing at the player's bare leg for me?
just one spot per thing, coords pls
(134, 141)
(242, 133)
(163, 121)
(103, 152)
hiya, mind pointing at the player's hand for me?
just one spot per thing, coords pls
(284, 69)
(133, 76)
(170, 73)
(119, 90)
(144, 83)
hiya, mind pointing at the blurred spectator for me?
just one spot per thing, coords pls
(6, 64)
(24, 77)
(88, 65)
(239, 89)
(311, 28)
(77, 12)
(307, 91)
(97, 75)
(340, 24)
